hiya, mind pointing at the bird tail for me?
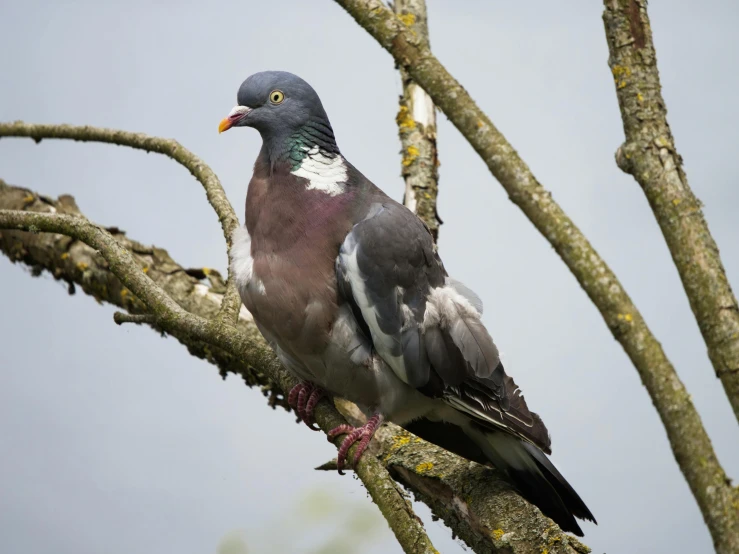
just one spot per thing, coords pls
(534, 475)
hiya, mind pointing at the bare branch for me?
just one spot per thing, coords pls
(170, 148)
(417, 129)
(331, 465)
(689, 441)
(477, 503)
(172, 318)
(649, 155)
(120, 318)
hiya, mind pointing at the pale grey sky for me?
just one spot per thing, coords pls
(115, 440)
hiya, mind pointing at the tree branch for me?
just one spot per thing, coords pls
(649, 155)
(417, 129)
(689, 441)
(170, 148)
(477, 503)
(171, 317)
(121, 317)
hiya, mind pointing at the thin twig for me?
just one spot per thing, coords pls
(331, 465)
(170, 316)
(121, 317)
(688, 438)
(169, 147)
(649, 154)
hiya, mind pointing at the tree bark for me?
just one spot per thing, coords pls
(477, 503)
(416, 121)
(649, 154)
(688, 438)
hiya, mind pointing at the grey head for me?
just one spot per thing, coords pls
(286, 111)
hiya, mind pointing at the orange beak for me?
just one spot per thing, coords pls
(236, 115)
(225, 124)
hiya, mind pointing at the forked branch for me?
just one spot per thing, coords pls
(170, 148)
(649, 154)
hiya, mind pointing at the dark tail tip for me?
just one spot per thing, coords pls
(562, 498)
(536, 478)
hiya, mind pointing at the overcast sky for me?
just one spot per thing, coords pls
(115, 440)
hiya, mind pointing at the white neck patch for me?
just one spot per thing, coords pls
(324, 172)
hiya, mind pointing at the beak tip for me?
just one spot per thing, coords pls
(224, 125)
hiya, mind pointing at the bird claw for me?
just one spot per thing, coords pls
(303, 398)
(354, 434)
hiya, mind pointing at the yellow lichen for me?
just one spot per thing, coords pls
(479, 124)
(124, 292)
(64, 256)
(404, 119)
(620, 71)
(145, 269)
(29, 198)
(206, 270)
(676, 201)
(407, 18)
(412, 155)
(424, 467)
(82, 266)
(625, 317)
(639, 97)
(498, 534)
(398, 442)
(620, 74)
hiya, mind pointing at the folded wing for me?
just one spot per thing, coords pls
(427, 326)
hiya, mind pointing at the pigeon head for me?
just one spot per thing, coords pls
(285, 110)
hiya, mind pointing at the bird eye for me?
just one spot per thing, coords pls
(276, 97)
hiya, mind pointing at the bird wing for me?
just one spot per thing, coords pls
(425, 325)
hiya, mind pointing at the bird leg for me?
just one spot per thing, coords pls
(354, 434)
(303, 398)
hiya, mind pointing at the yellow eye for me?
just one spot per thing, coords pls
(276, 97)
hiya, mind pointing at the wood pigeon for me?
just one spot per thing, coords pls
(347, 286)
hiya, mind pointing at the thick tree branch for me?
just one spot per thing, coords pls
(170, 148)
(649, 155)
(417, 129)
(171, 317)
(689, 441)
(477, 503)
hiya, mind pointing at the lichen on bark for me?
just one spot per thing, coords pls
(416, 121)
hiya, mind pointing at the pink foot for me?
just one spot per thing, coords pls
(303, 399)
(354, 434)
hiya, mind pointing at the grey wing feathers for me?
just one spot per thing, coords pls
(467, 292)
(425, 325)
(385, 268)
